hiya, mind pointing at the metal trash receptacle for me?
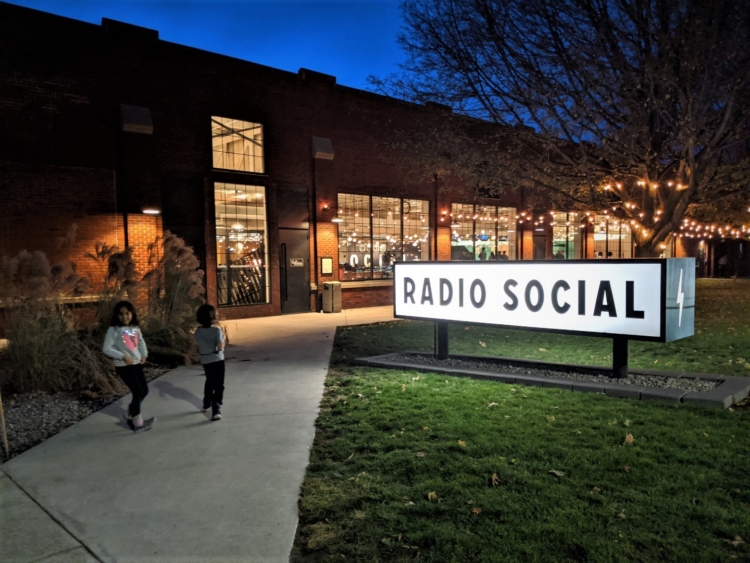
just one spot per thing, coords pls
(332, 297)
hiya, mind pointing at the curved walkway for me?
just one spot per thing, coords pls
(190, 489)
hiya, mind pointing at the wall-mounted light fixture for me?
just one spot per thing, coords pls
(337, 218)
(151, 210)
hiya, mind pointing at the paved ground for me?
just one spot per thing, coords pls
(190, 489)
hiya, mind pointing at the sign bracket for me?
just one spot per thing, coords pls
(620, 356)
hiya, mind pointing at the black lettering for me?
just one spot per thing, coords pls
(581, 297)
(605, 291)
(630, 311)
(409, 288)
(445, 284)
(540, 293)
(427, 292)
(461, 292)
(562, 284)
(513, 299)
(477, 303)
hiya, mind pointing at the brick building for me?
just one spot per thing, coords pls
(277, 180)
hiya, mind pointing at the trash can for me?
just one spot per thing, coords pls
(332, 297)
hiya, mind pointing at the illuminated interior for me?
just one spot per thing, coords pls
(241, 244)
(375, 232)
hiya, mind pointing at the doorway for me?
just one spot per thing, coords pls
(540, 247)
(294, 265)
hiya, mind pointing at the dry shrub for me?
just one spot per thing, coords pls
(175, 291)
(45, 353)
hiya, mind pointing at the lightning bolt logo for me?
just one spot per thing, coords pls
(680, 297)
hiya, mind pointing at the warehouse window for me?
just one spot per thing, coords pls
(378, 231)
(482, 232)
(241, 244)
(237, 145)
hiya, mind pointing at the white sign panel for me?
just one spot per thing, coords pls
(606, 298)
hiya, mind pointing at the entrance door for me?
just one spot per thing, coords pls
(540, 248)
(294, 260)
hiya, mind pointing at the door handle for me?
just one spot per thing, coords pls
(284, 288)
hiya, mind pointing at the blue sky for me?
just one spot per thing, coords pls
(350, 39)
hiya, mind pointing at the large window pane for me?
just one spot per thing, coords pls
(612, 237)
(482, 232)
(237, 145)
(386, 234)
(566, 236)
(462, 231)
(354, 237)
(416, 230)
(375, 232)
(241, 244)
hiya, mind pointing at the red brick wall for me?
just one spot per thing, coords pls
(352, 298)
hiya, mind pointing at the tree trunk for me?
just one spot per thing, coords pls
(651, 250)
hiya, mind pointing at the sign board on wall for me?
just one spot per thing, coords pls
(650, 299)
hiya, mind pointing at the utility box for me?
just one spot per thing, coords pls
(332, 297)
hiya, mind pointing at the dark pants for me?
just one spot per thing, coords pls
(213, 390)
(135, 379)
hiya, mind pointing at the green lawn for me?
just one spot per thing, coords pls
(424, 467)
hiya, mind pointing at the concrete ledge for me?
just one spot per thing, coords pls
(584, 387)
(673, 395)
(729, 390)
(623, 391)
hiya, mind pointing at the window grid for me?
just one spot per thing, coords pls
(241, 244)
(237, 145)
(378, 231)
(482, 232)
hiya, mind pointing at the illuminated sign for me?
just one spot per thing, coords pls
(650, 299)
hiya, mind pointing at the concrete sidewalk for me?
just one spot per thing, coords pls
(190, 489)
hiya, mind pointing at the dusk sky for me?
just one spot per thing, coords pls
(350, 39)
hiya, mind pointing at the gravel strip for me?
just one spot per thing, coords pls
(31, 418)
(594, 376)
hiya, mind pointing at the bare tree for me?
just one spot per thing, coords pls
(636, 106)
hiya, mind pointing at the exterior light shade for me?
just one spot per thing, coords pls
(151, 210)
(337, 219)
(455, 225)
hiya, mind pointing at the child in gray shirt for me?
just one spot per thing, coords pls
(210, 341)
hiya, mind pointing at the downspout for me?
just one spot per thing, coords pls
(315, 228)
(436, 216)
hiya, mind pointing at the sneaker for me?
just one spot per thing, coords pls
(205, 408)
(216, 415)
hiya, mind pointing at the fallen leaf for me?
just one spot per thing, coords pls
(425, 428)
(551, 418)
(476, 510)
(482, 344)
(627, 423)
(469, 502)
(622, 514)
(492, 405)
(627, 469)
(595, 490)
(415, 378)
(578, 432)
(706, 435)
(512, 390)
(432, 496)
(628, 439)
(360, 396)
(419, 454)
(542, 349)
(495, 480)
(403, 387)
(738, 541)
(467, 327)
(410, 503)
(507, 416)
(524, 396)
(462, 443)
(557, 473)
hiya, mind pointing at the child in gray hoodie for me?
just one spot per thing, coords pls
(124, 343)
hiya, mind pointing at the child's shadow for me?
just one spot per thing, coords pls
(166, 389)
(117, 412)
